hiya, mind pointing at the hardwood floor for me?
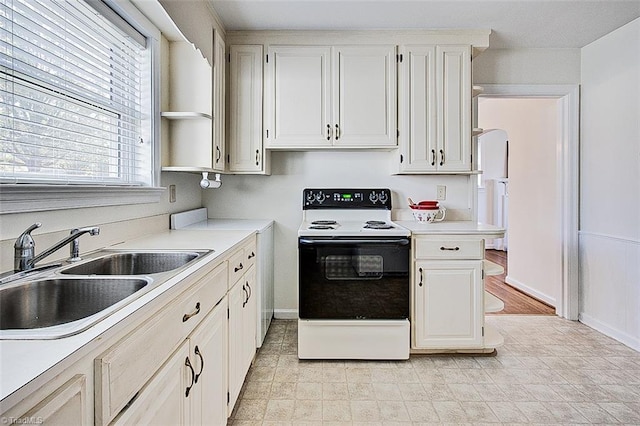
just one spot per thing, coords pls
(515, 302)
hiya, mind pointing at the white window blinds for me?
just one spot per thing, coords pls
(71, 95)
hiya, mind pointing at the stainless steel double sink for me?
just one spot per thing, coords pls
(67, 300)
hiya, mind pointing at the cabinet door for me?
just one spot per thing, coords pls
(219, 90)
(163, 400)
(246, 152)
(249, 320)
(209, 355)
(237, 301)
(65, 406)
(299, 97)
(364, 89)
(417, 109)
(448, 304)
(454, 105)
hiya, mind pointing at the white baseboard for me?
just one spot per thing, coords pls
(530, 291)
(620, 336)
(285, 313)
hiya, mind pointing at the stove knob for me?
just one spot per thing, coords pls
(383, 197)
(310, 197)
(373, 197)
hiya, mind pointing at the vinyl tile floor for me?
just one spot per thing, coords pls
(549, 371)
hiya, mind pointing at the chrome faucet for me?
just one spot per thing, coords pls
(24, 247)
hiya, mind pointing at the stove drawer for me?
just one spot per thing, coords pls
(447, 247)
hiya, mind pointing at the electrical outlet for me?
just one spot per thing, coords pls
(172, 193)
(441, 192)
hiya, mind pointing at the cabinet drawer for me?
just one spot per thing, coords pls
(250, 253)
(237, 266)
(448, 248)
(124, 369)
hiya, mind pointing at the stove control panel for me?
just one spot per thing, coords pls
(346, 199)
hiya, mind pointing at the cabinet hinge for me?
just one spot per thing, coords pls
(228, 398)
(228, 158)
(483, 274)
(227, 313)
(267, 133)
(399, 58)
(267, 58)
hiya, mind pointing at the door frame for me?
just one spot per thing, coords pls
(568, 171)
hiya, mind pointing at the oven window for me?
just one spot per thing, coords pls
(356, 267)
(353, 281)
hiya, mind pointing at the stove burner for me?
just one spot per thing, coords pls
(321, 227)
(378, 224)
(324, 222)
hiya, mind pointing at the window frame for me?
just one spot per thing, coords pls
(30, 197)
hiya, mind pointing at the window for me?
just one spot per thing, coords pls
(75, 96)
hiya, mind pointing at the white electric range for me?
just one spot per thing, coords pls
(353, 276)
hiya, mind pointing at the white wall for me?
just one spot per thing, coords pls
(279, 197)
(610, 185)
(535, 240)
(527, 66)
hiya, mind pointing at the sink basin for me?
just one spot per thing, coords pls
(51, 302)
(134, 263)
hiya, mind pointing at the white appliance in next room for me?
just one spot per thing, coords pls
(197, 220)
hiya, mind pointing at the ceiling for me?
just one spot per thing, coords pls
(514, 23)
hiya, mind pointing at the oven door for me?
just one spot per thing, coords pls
(353, 278)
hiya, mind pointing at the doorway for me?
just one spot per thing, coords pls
(542, 222)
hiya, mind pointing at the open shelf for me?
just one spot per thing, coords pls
(491, 268)
(186, 115)
(492, 303)
(492, 339)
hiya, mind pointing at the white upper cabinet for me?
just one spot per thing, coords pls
(299, 83)
(435, 109)
(219, 91)
(320, 96)
(246, 152)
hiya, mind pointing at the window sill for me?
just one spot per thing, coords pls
(18, 198)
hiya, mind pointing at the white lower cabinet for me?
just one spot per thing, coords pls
(448, 304)
(242, 332)
(162, 401)
(65, 406)
(448, 297)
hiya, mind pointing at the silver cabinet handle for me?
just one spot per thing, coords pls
(195, 312)
(449, 248)
(250, 291)
(442, 157)
(328, 132)
(337, 132)
(257, 157)
(433, 157)
(218, 154)
(420, 283)
(238, 268)
(251, 256)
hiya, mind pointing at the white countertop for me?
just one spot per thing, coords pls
(24, 362)
(257, 225)
(452, 228)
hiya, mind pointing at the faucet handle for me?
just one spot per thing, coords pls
(24, 248)
(25, 241)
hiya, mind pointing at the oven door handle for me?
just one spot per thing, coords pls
(312, 242)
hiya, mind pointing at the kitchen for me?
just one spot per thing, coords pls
(293, 171)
